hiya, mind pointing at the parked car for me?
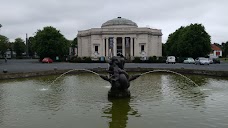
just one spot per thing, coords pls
(202, 61)
(189, 61)
(216, 61)
(210, 60)
(171, 59)
(47, 60)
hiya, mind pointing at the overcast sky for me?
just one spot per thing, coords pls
(19, 17)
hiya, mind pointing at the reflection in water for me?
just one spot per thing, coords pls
(2, 107)
(49, 100)
(183, 92)
(199, 79)
(52, 97)
(119, 112)
(147, 88)
(169, 71)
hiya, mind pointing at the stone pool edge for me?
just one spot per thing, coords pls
(4, 76)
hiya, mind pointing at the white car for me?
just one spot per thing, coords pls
(202, 61)
(171, 59)
(189, 61)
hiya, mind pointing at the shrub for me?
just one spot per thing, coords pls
(180, 59)
(19, 57)
(161, 59)
(77, 59)
(137, 60)
(152, 59)
(87, 60)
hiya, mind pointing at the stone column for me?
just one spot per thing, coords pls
(114, 46)
(131, 47)
(79, 47)
(103, 47)
(107, 44)
(123, 46)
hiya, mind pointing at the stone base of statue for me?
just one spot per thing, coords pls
(119, 94)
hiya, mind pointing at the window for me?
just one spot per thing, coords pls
(96, 48)
(142, 48)
(111, 43)
(217, 53)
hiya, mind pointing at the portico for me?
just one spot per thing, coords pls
(118, 44)
(119, 35)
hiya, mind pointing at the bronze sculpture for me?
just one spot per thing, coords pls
(118, 77)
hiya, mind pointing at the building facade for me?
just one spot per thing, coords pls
(215, 51)
(120, 35)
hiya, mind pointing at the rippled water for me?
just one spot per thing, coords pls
(158, 100)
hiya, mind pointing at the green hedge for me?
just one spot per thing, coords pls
(77, 59)
(151, 59)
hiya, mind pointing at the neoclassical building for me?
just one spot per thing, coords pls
(120, 35)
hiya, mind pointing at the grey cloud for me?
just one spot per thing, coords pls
(69, 16)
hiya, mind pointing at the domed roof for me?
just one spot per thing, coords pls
(119, 21)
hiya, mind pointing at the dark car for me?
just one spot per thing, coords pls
(216, 61)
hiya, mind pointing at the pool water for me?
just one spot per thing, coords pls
(157, 100)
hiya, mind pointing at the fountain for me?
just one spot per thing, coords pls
(157, 100)
(118, 78)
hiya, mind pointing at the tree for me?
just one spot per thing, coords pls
(49, 42)
(164, 53)
(74, 44)
(11, 48)
(172, 42)
(19, 47)
(191, 41)
(225, 49)
(3, 44)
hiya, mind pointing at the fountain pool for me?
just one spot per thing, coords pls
(157, 100)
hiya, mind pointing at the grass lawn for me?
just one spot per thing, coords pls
(224, 59)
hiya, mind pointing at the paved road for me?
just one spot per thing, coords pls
(30, 65)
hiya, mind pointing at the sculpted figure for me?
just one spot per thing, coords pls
(118, 77)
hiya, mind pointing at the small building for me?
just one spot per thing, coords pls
(216, 51)
(120, 35)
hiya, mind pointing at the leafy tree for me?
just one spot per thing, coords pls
(74, 43)
(3, 44)
(19, 46)
(172, 42)
(11, 48)
(164, 53)
(191, 41)
(49, 42)
(225, 49)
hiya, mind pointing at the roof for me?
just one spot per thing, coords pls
(119, 21)
(215, 48)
